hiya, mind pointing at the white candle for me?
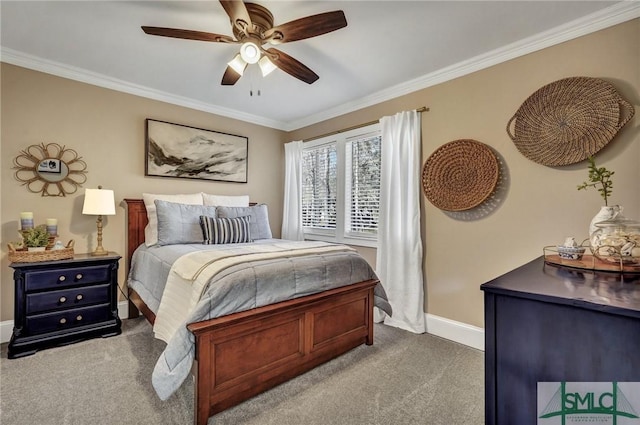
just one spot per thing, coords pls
(52, 226)
(26, 220)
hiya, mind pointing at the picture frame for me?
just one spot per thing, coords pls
(49, 165)
(182, 151)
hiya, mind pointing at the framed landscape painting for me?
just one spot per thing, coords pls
(176, 150)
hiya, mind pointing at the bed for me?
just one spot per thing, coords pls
(242, 354)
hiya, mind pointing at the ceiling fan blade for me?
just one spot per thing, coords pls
(230, 77)
(308, 27)
(237, 12)
(292, 66)
(188, 34)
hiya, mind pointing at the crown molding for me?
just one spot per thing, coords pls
(616, 14)
(35, 63)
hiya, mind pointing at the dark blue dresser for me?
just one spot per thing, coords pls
(550, 323)
(64, 301)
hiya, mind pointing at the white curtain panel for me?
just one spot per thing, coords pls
(292, 211)
(399, 254)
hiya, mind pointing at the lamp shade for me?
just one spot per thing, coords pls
(98, 202)
(238, 64)
(266, 66)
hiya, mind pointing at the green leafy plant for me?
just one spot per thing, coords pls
(36, 236)
(599, 178)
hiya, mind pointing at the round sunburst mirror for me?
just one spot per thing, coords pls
(51, 169)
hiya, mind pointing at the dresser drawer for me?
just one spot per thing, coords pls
(67, 298)
(60, 278)
(60, 320)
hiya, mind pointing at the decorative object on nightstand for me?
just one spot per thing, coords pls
(60, 302)
(26, 220)
(38, 243)
(99, 202)
(35, 238)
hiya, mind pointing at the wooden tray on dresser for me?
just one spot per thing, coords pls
(589, 262)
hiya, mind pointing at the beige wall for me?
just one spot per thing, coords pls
(106, 128)
(536, 205)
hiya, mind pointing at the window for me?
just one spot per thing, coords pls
(341, 187)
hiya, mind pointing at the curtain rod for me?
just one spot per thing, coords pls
(421, 109)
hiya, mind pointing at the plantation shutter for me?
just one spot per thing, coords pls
(319, 187)
(363, 186)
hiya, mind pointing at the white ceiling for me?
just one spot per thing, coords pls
(388, 48)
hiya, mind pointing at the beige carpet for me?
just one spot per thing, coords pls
(402, 379)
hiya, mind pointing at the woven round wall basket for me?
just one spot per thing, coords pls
(569, 120)
(460, 175)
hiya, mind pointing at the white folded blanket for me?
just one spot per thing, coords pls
(190, 274)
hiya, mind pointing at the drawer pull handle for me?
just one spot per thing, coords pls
(79, 276)
(63, 321)
(61, 278)
(79, 317)
(62, 299)
(79, 297)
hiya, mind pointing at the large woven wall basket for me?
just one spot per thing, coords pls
(460, 175)
(568, 120)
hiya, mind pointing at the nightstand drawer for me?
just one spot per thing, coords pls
(67, 298)
(66, 319)
(59, 278)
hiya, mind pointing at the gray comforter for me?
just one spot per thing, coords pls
(237, 288)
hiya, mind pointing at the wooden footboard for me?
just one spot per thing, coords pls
(243, 354)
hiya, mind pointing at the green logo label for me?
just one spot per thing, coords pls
(562, 403)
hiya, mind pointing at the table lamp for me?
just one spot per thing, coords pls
(99, 202)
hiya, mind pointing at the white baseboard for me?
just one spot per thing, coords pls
(6, 327)
(462, 333)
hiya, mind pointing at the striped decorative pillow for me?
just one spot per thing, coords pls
(225, 230)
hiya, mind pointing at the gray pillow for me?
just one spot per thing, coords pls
(258, 219)
(180, 223)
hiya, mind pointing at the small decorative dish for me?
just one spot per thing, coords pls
(571, 252)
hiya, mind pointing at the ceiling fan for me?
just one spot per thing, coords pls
(252, 27)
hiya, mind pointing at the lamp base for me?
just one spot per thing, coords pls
(99, 252)
(99, 249)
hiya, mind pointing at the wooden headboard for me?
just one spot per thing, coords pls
(136, 222)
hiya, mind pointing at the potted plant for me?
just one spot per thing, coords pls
(36, 237)
(600, 178)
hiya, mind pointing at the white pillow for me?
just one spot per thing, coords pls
(151, 231)
(225, 201)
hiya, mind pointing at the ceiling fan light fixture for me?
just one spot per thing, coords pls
(238, 64)
(266, 66)
(250, 52)
(252, 27)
